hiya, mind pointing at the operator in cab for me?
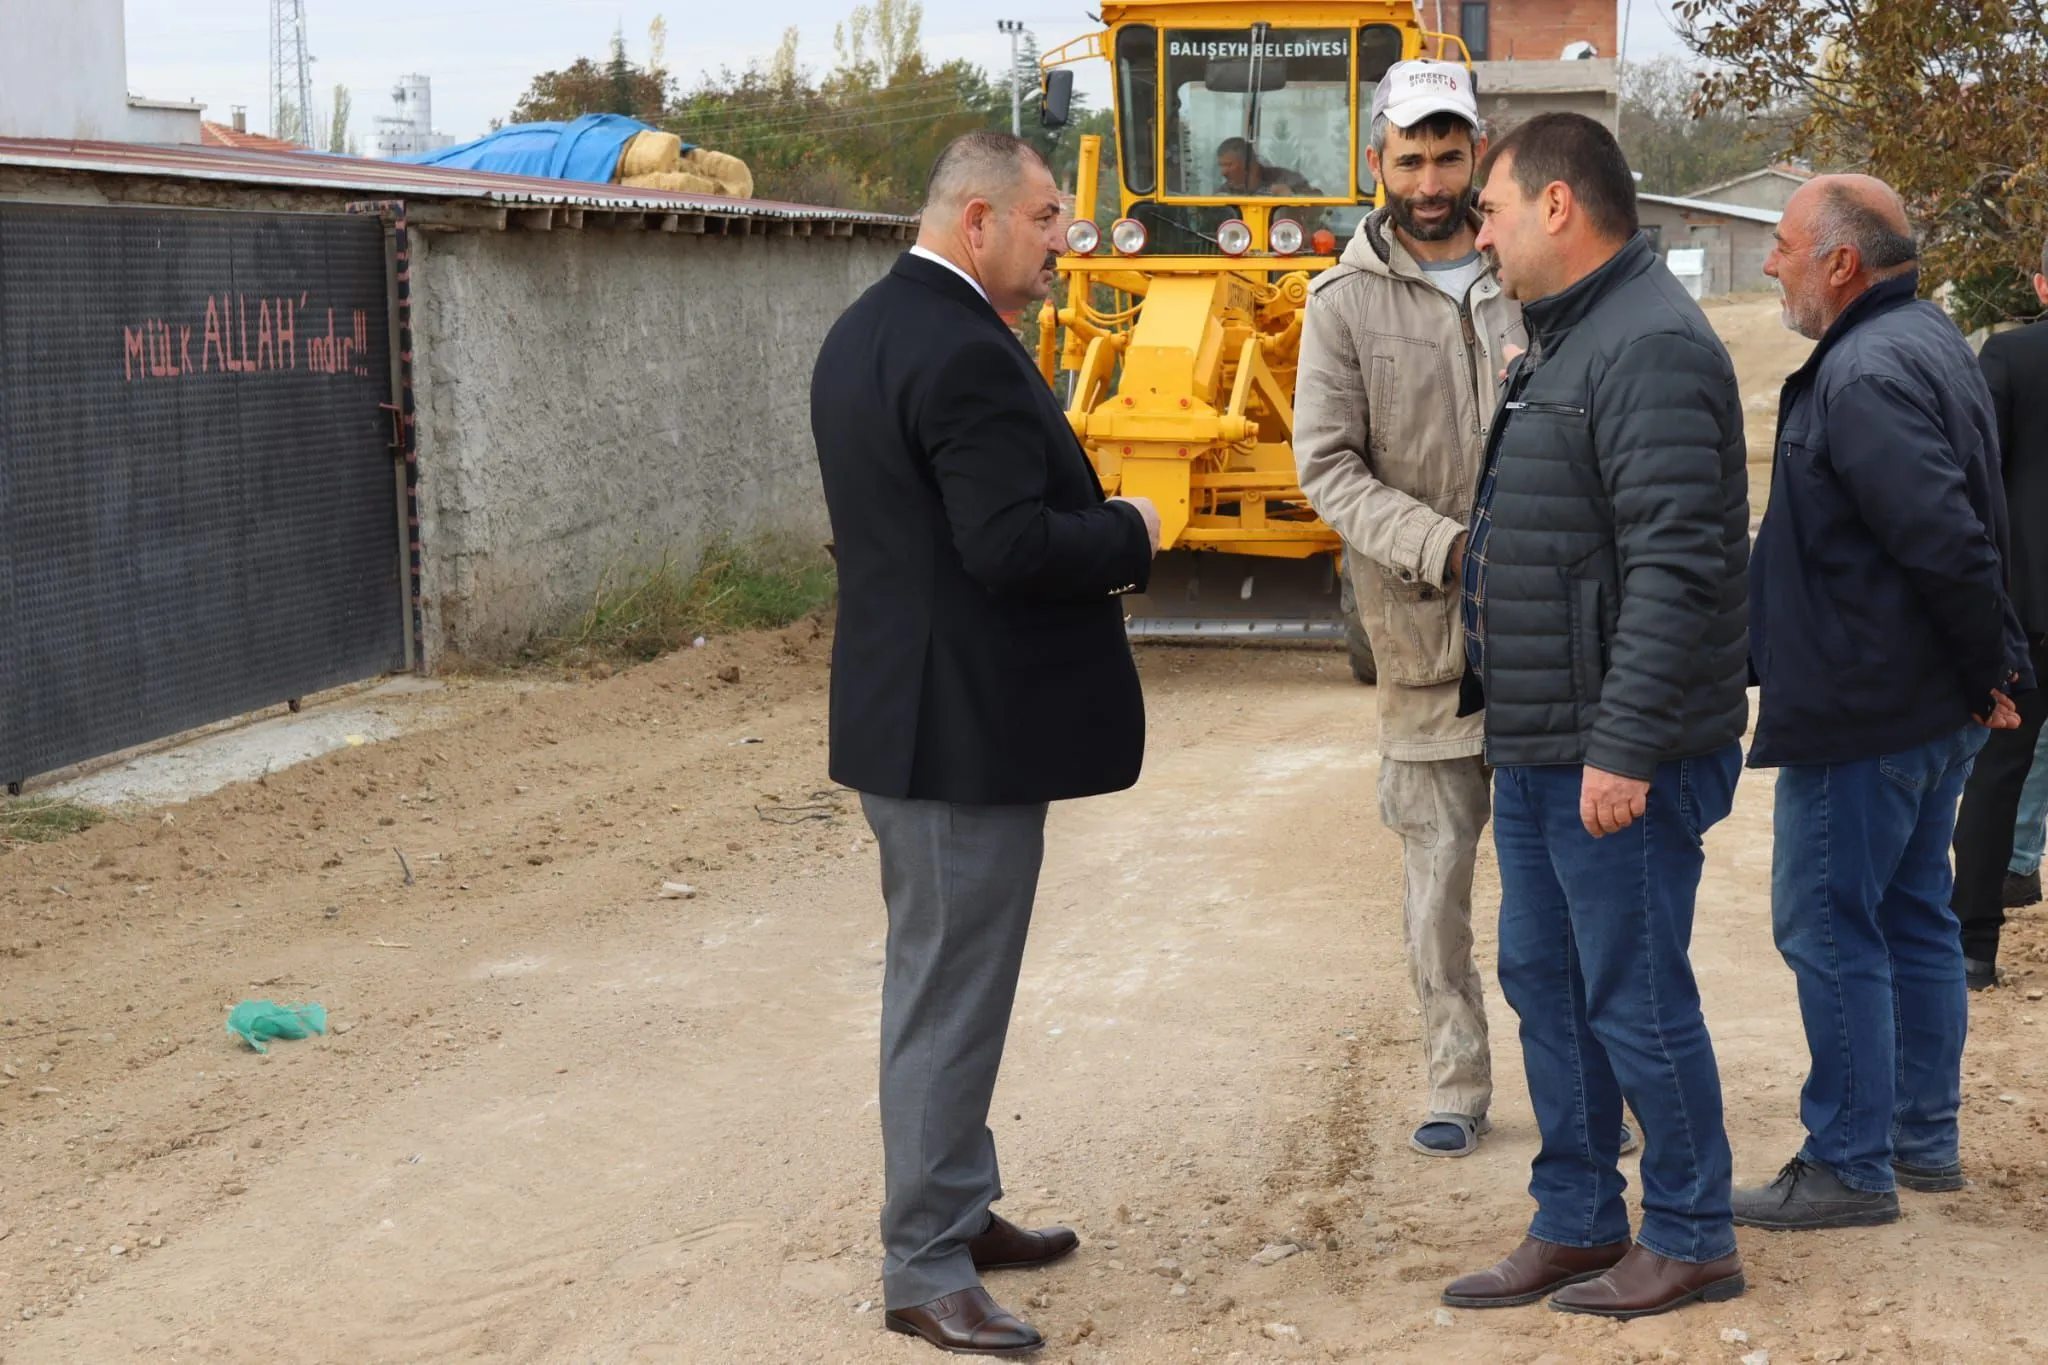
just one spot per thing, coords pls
(1243, 173)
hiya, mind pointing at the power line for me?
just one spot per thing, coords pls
(746, 138)
(850, 117)
(771, 101)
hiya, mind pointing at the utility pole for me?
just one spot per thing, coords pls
(1015, 28)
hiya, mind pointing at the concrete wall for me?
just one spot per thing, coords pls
(64, 74)
(590, 399)
(1771, 192)
(1736, 248)
(1512, 92)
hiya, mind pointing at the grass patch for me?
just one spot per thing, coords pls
(644, 615)
(38, 821)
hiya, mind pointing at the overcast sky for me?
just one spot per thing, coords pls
(481, 56)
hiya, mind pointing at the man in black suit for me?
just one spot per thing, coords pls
(2016, 367)
(980, 671)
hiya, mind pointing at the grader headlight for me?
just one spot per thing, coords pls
(1287, 236)
(1083, 237)
(1127, 235)
(1234, 238)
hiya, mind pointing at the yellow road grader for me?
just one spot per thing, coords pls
(1241, 132)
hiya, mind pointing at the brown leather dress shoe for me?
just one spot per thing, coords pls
(1532, 1270)
(1645, 1283)
(967, 1323)
(1005, 1246)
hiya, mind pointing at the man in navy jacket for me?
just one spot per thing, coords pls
(1885, 646)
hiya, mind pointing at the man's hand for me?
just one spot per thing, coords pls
(1454, 564)
(2004, 715)
(1151, 516)
(1508, 355)
(1609, 804)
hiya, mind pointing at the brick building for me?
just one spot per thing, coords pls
(1527, 30)
(1533, 56)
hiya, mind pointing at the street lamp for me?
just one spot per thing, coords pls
(1015, 28)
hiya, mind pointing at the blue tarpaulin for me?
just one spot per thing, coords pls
(586, 149)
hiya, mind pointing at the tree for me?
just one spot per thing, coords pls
(338, 139)
(1677, 149)
(896, 30)
(291, 126)
(619, 86)
(862, 136)
(1941, 98)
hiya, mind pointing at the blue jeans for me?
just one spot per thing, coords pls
(1594, 935)
(2030, 831)
(1860, 887)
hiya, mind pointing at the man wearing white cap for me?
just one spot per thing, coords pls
(1400, 350)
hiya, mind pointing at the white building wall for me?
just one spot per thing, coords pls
(409, 129)
(64, 74)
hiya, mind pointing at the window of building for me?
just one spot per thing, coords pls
(1472, 25)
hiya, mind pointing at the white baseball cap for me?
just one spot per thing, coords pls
(1412, 91)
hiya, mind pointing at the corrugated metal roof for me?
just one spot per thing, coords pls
(397, 179)
(1782, 169)
(1770, 217)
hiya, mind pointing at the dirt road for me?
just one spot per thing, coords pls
(562, 1120)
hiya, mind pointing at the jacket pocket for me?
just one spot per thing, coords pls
(1589, 665)
(1380, 389)
(1553, 409)
(1422, 642)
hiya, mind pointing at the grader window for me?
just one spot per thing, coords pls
(1137, 102)
(1265, 112)
(1379, 47)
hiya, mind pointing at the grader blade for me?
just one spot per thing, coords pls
(1205, 595)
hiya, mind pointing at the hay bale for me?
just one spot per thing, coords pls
(681, 181)
(728, 171)
(649, 154)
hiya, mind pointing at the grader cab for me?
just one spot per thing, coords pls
(1241, 131)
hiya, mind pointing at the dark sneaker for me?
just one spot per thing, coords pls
(1806, 1197)
(2022, 889)
(1929, 1179)
(1980, 975)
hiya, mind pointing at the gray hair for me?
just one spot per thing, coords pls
(978, 166)
(1845, 220)
(1436, 125)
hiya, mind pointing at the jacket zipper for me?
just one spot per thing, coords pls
(1472, 346)
(1559, 409)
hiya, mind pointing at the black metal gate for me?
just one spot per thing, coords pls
(198, 515)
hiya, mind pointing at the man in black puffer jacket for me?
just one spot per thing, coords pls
(1605, 625)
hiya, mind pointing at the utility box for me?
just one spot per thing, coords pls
(1689, 264)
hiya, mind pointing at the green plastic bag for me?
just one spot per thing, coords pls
(255, 1020)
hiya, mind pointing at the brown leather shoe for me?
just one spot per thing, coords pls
(1532, 1270)
(967, 1323)
(1645, 1283)
(1005, 1246)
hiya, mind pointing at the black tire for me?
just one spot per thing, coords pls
(1357, 644)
